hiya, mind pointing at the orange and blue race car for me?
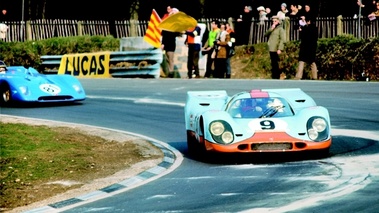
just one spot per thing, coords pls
(262, 120)
(26, 85)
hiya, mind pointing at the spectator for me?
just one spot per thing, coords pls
(244, 26)
(208, 48)
(307, 14)
(231, 44)
(282, 13)
(294, 16)
(3, 16)
(169, 10)
(268, 13)
(275, 42)
(294, 11)
(375, 13)
(3, 26)
(169, 45)
(3, 31)
(368, 6)
(262, 14)
(221, 52)
(308, 47)
(193, 41)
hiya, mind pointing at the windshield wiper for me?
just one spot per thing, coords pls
(271, 111)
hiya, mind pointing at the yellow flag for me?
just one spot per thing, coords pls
(153, 33)
(178, 22)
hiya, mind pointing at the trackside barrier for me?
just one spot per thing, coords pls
(134, 60)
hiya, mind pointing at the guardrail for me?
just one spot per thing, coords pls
(132, 63)
(136, 63)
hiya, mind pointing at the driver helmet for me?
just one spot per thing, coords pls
(277, 103)
(3, 66)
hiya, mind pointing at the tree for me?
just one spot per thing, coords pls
(141, 9)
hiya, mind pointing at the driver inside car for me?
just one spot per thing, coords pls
(250, 108)
(3, 67)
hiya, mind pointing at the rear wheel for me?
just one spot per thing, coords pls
(6, 96)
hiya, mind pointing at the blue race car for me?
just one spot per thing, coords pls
(264, 120)
(20, 84)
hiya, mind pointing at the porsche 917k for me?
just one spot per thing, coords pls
(264, 120)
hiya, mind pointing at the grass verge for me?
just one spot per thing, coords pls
(37, 161)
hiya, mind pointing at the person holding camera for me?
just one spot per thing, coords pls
(221, 47)
(209, 47)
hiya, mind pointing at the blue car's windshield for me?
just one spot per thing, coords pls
(18, 70)
(260, 108)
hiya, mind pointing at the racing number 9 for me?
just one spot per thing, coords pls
(267, 124)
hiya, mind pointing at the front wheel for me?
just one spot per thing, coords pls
(195, 148)
(6, 96)
(191, 143)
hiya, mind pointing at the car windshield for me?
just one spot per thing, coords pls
(260, 108)
(22, 70)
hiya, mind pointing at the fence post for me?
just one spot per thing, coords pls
(133, 28)
(28, 31)
(339, 25)
(80, 28)
(230, 22)
(287, 28)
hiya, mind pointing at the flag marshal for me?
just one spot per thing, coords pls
(153, 33)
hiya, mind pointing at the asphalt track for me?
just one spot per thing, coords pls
(347, 181)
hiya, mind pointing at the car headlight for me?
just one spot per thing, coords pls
(319, 124)
(77, 88)
(221, 132)
(227, 137)
(24, 90)
(312, 134)
(217, 128)
(317, 129)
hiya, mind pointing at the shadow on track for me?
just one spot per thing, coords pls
(40, 104)
(257, 158)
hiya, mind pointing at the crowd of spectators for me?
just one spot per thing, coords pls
(369, 9)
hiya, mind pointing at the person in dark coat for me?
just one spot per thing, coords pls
(308, 47)
(307, 14)
(243, 26)
(169, 47)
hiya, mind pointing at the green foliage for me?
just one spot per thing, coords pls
(339, 58)
(22, 153)
(29, 53)
(35, 156)
(256, 61)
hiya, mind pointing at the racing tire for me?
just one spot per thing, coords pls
(195, 148)
(6, 97)
(191, 143)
